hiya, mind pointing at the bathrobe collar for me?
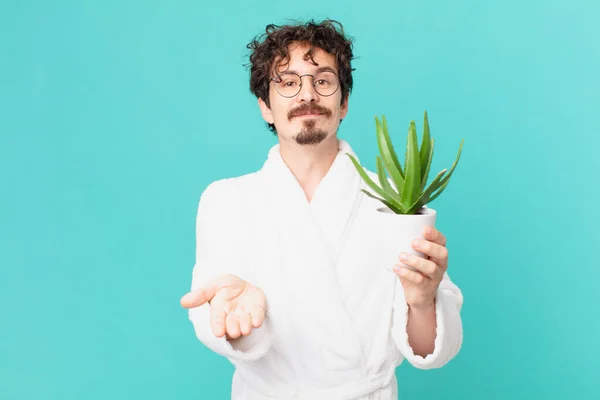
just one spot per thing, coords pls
(334, 202)
(305, 242)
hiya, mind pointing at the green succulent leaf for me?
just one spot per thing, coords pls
(426, 152)
(444, 182)
(371, 183)
(438, 192)
(424, 197)
(383, 180)
(425, 175)
(386, 149)
(411, 192)
(412, 184)
(395, 208)
(447, 177)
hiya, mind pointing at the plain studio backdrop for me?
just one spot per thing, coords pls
(116, 115)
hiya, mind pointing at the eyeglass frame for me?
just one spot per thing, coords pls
(313, 83)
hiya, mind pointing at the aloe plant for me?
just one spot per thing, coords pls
(408, 193)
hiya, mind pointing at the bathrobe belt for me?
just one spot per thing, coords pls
(350, 390)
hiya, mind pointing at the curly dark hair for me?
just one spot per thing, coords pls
(327, 35)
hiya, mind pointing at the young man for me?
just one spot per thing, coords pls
(287, 282)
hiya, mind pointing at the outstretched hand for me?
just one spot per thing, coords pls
(236, 306)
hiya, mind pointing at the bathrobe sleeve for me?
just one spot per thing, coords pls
(218, 250)
(449, 332)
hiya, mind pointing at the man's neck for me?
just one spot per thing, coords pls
(309, 164)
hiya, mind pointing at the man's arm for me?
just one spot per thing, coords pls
(421, 330)
(429, 338)
(216, 239)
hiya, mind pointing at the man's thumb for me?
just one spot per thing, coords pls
(206, 292)
(198, 297)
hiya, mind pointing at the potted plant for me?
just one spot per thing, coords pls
(404, 195)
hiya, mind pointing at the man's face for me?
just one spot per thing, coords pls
(308, 117)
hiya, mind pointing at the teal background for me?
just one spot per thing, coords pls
(115, 115)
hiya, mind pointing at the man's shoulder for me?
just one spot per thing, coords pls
(230, 188)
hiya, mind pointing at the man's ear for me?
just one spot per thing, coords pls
(344, 108)
(265, 111)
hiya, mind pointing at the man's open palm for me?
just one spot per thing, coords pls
(236, 305)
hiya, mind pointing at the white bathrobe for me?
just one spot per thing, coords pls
(336, 319)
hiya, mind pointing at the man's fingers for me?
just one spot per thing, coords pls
(257, 316)
(435, 236)
(419, 264)
(217, 320)
(412, 276)
(233, 325)
(245, 323)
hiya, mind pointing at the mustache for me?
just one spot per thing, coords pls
(309, 108)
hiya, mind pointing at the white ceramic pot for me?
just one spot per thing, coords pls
(396, 233)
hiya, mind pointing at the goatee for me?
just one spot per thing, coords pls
(310, 135)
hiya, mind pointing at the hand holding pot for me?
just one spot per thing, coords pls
(420, 286)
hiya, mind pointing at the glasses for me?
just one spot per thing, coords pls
(288, 84)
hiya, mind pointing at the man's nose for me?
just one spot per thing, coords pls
(307, 90)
